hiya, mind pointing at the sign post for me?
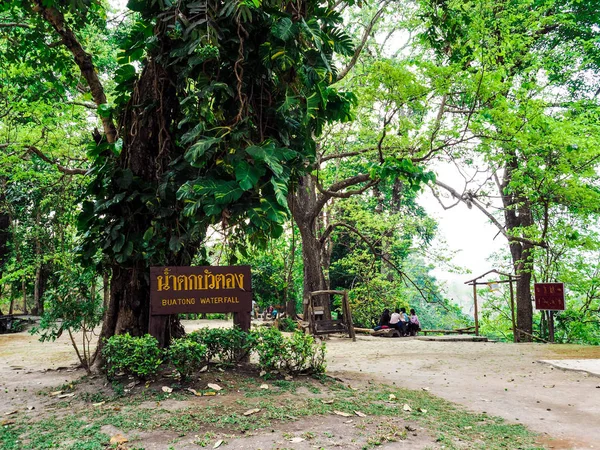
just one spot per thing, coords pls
(549, 297)
(200, 289)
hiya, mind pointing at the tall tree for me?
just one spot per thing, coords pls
(216, 109)
(525, 115)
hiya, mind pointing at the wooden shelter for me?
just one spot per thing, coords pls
(511, 278)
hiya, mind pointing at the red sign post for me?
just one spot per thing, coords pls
(549, 296)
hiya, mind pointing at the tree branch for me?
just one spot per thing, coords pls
(84, 104)
(65, 170)
(363, 42)
(14, 25)
(468, 199)
(84, 60)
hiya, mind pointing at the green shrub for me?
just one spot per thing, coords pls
(186, 355)
(226, 344)
(287, 324)
(137, 356)
(299, 353)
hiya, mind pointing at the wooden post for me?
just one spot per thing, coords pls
(348, 316)
(512, 310)
(551, 326)
(475, 312)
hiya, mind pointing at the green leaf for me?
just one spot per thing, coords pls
(284, 29)
(247, 175)
(104, 110)
(227, 192)
(281, 191)
(197, 151)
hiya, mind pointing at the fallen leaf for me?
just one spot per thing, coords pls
(468, 428)
(425, 389)
(52, 394)
(204, 369)
(167, 389)
(392, 397)
(264, 386)
(251, 411)
(342, 413)
(66, 395)
(327, 402)
(209, 394)
(549, 386)
(99, 404)
(360, 414)
(406, 407)
(218, 443)
(195, 392)
(423, 410)
(349, 421)
(262, 373)
(296, 440)
(7, 422)
(214, 386)
(118, 439)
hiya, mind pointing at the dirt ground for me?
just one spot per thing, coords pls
(501, 379)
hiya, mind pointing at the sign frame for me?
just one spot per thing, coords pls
(549, 296)
(200, 289)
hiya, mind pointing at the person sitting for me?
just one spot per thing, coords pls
(397, 323)
(384, 320)
(404, 320)
(413, 324)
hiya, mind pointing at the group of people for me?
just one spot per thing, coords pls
(405, 324)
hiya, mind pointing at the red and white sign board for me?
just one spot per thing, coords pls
(549, 296)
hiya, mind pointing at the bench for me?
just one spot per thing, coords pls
(329, 326)
(467, 330)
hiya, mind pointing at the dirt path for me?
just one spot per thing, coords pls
(502, 379)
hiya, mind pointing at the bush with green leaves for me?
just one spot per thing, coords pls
(186, 355)
(137, 356)
(75, 306)
(287, 324)
(299, 353)
(226, 344)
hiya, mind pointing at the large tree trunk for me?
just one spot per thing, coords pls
(303, 203)
(147, 149)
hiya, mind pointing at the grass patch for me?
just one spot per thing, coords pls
(284, 401)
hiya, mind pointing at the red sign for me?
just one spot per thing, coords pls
(200, 289)
(549, 296)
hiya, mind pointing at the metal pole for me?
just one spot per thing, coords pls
(512, 310)
(476, 315)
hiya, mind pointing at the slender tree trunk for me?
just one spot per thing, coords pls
(518, 214)
(24, 289)
(38, 306)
